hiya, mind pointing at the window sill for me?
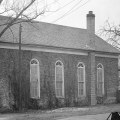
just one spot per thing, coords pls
(82, 97)
(35, 98)
(60, 97)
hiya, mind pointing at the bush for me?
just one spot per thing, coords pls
(5, 110)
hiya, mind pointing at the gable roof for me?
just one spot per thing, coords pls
(101, 45)
(40, 33)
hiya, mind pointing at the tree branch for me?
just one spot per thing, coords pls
(16, 18)
(112, 33)
(1, 1)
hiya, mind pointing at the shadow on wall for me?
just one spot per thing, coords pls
(6, 97)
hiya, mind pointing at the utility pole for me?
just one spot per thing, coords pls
(20, 99)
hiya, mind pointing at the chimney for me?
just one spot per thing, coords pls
(91, 29)
(91, 22)
(91, 54)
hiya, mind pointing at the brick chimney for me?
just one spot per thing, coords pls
(91, 22)
(91, 29)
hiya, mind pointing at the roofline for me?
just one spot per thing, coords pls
(84, 49)
(41, 48)
(104, 52)
(62, 48)
(36, 21)
(108, 44)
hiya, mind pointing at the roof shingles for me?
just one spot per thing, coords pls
(55, 35)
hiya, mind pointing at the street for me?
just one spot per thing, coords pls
(89, 117)
(85, 117)
(69, 113)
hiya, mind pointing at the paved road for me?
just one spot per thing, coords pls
(88, 117)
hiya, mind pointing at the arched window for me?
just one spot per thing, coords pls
(81, 79)
(34, 79)
(100, 80)
(59, 79)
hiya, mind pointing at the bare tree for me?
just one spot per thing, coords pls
(27, 10)
(112, 33)
(17, 11)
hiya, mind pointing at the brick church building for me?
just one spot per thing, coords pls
(60, 66)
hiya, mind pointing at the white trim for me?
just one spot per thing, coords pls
(103, 91)
(62, 79)
(38, 69)
(53, 50)
(109, 56)
(84, 89)
(43, 49)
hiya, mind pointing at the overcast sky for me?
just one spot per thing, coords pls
(103, 10)
(73, 12)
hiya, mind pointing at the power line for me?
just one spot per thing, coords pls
(60, 8)
(70, 11)
(78, 7)
(64, 6)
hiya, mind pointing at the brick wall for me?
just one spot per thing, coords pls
(47, 63)
(110, 77)
(9, 70)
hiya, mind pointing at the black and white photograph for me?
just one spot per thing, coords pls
(59, 59)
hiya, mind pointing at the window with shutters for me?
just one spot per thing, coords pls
(81, 80)
(100, 80)
(34, 79)
(59, 79)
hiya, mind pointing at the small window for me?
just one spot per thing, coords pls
(100, 80)
(81, 80)
(34, 79)
(59, 79)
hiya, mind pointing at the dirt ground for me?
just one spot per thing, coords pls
(61, 113)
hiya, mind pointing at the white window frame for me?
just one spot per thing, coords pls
(84, 87)
(38, 69)
(102, 77)
(62, 79)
